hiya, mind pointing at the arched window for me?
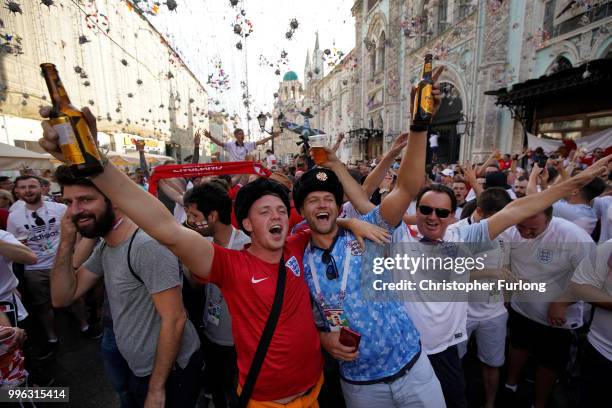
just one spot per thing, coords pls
(373, 60)
(561, 64)
(381, 52)
(442, 15)
(380, 122)
(424, 31)
(292, 92)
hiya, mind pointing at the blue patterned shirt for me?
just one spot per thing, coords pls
(389, 339)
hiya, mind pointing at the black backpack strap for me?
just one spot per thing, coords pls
(128, 257)
(266, 337)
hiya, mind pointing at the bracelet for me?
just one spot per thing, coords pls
(419, 128)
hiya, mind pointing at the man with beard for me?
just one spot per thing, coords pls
(208, 207)
(520, 186)
(37, 225)
(143, 281)
(292, 367)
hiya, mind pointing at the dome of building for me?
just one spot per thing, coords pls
(290, 76)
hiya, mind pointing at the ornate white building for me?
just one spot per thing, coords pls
(547, 60)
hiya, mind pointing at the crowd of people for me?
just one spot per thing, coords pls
(245, 288)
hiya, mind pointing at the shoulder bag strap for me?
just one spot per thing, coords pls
(128, 257)
(266, 337)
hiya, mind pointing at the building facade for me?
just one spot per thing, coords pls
(111, 59)
(489, 48)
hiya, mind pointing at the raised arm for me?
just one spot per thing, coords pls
(529, 206)
(356, 195)
(267, 139)
(490, 160)
(412, 168)
(141, 155)
(377, 175)
(17, 252)
(469, 172)
(338, 142)
(195, 158)
(532, 185)
(212, 138)
(170, 190)
(141, 207)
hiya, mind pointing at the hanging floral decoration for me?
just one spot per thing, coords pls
(332, 56)
(94, 20)
(243, 27)
(47, 3)
(219, 79)
(293, 25)
(11, 44)
(13, 7)
(150, 7)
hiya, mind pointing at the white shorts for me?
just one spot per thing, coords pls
(490, 339)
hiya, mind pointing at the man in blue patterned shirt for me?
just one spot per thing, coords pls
(388, 368)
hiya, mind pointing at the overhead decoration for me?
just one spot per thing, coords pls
(293, 25)
(219, 79)
(233, 3)
(94, 20)
(83, 40)
(239, 45)
(47, 3)
(150, 7)
(11, 44)
(242, 26)
(415, 26)
(332, 56)
(171, 4)
(14, 7)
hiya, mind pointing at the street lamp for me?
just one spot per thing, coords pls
(461, 126)
(262, 118)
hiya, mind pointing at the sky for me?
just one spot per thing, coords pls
(202, 33)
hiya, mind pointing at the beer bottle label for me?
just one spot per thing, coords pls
(86, 138)
(68, 143)
(427, 101)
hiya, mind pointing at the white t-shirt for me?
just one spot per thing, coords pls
(238, 153)
(603, 210)
(8, 280)
(271, 162)
(41, 229)
(551, 258)
(433, 140)
(17, 205)
(596, 271)
(495, 258)
(580, 214)
(443, 324)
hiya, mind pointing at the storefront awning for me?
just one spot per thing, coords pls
(594, 76)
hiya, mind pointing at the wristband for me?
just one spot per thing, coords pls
(418, 128)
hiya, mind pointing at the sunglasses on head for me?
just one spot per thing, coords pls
(331, 272)
(440, 212)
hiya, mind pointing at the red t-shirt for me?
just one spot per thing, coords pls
(293, 363)
(3, 218)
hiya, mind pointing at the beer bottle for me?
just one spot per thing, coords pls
(75, 139)
(423, 103)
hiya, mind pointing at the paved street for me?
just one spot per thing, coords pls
(77, 365)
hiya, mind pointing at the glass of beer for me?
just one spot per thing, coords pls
(318, 144)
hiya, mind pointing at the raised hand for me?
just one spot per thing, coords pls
(50, 139)
(197, 137)
(437, 94)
